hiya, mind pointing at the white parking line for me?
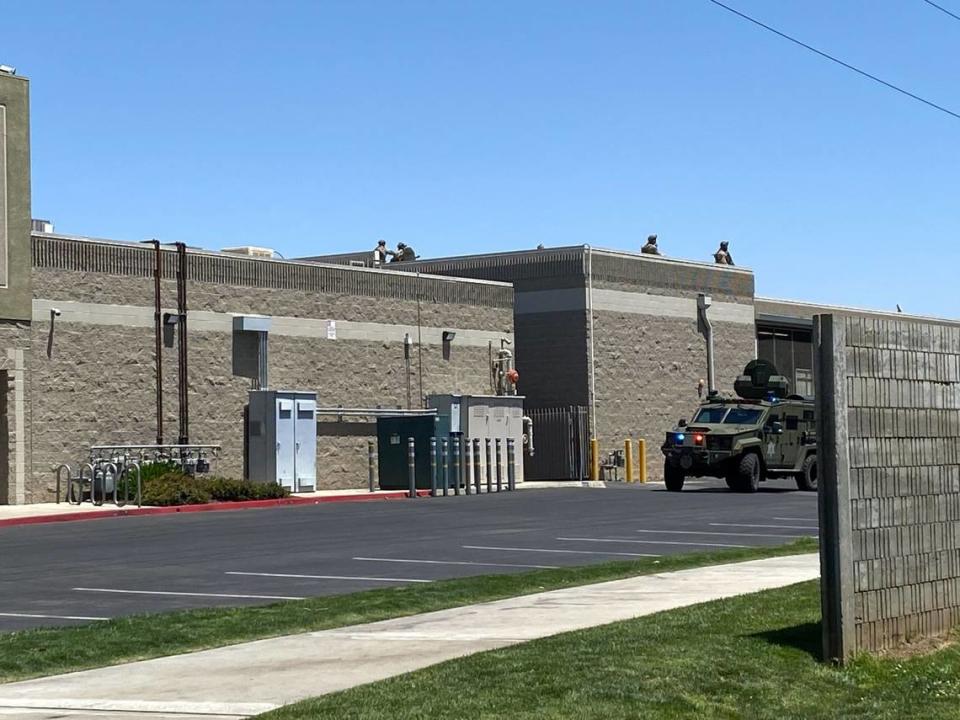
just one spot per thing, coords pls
(781, 527)
(725, 534)
(456, 562)
(649, 542)
(806, 519)
(186, 594)
(550, 550)
(331, 577)
(50, 617)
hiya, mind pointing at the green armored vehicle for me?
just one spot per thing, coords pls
(763, 433)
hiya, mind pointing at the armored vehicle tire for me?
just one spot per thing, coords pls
(747, 477)
(807, 479)
(673, 477)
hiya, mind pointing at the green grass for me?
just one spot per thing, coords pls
(754, 656)
(48, 651)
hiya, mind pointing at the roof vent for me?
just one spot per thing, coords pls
(250, 251)
(41, 226)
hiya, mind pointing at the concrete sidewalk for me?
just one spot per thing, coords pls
(242, 680)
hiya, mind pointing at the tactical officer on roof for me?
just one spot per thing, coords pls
(651, 247)
(404, 253)
(723, 256)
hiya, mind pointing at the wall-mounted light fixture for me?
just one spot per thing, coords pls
(54, 313)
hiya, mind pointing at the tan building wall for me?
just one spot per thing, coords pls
(647, 355)
(92, 373)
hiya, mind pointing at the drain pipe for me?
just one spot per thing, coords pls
(706, 329)
(593, 369)
(158, 334)
(182, 343)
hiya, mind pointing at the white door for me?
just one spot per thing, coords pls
(286, 444)
(306, 443)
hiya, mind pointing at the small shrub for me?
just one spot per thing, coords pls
(230, 490)
(148, 471)
(175, 488)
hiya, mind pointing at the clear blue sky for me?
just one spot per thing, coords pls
(489, 125)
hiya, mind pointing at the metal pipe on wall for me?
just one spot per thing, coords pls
(593, 367)
(158, 335)
(182, 344)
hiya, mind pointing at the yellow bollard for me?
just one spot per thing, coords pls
(628, 459)
(642, 458)
(594, 459)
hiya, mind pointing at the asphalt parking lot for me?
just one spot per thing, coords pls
(74, 572)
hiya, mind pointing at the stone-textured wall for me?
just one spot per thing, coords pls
(889, 450)
(93, 380)
(647, 369)
(648, 355)
(15, 437)
(14, 198)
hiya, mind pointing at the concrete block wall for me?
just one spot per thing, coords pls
(889, 449)
(92, 370)
(647, 369)
(648, 353)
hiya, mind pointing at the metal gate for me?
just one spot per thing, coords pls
(561, 444)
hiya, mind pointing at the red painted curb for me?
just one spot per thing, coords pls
(207, 507)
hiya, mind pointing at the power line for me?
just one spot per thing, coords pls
(838, 61)
(942, 9)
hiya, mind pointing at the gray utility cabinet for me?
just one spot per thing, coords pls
(480, 417)
(282, 438)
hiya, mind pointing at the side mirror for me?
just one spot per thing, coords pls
(681, 423)
(776, 428)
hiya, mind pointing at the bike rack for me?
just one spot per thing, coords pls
(70, 478)
(122, 477)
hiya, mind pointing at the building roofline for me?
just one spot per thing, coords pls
(598, 250)
(855, 310)
(277, 261)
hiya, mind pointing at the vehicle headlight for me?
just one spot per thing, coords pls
(719, 442)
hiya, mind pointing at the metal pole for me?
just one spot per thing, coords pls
(642, 459)
(433, 467)
(706, 329)
(499, 465)
(628, 460)
(412, 466)
(444, 452)
(457, 465)
(511, 466)
(594, 459)
(158, 337)
(474, 449)
(467, 466)
(489, 468)
(371, 464)
(420, 343)
(182, 343)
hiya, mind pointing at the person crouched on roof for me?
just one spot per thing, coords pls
(651, 247)
(404, 253)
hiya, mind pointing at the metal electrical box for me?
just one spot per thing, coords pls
(393, 432)
(282, 438)
(481, 417)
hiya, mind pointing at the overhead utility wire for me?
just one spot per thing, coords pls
(838, 61)
(942, 9)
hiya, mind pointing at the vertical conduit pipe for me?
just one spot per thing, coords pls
(158, 336)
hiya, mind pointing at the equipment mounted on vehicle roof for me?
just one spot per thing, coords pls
(759, 380)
